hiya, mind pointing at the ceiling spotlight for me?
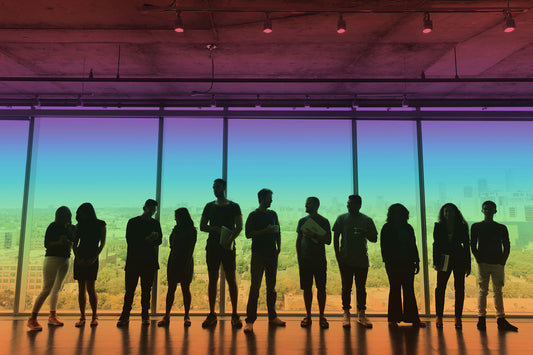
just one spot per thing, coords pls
(307, 102)
(341, 24)
(178, 23)
(213, 103)
(428, 24)
(267, 27)
(508, 24)
(355, 103)
(258, 102)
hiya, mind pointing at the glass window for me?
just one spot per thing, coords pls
(388, 174)
(13, 150)
(467, 163)
(192, 160)
(108, 162)
(295, 159)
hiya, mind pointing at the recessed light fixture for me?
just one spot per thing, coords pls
(428, 24)
(341, 24)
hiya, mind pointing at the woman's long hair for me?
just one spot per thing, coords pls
(86, 209)
(459, 219)
(183, 217)
(63, 215)
(397, 212)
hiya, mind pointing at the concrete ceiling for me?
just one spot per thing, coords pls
(64, 40)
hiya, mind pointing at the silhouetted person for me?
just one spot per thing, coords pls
(57, 241)
(180, 265)
(355, 229)
(314, 232)
(262, 226)
(91, 235)
(143, 235)
(491, 247)
(451, 253)
(222, 219)
(400, 255)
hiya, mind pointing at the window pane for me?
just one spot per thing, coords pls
(467, 163)
(295, 159)
(108, 162)
(192, 159)
(13, 149)
(388, 174)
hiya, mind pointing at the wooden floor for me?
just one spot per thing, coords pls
(108, 339)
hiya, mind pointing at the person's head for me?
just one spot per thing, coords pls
(63, 216)
(219, 188)
(150, 206)
(85, 213)
(397, 214)
(450, 213)
(489, 209)
(265, 197)
(312, 204)
(182, 217)
(354, 204)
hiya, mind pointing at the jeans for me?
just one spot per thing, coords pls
(407, 311)
(131, 279)
(267, 264)
(459, 285)
(348, 274)
(497, 272)
(54, 271)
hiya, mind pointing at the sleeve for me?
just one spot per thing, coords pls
(414, 249)
(372, 234)
(337, 226)
(249, 225)
(299, 226)
(276, 220)
(237, 210)
(130, 232)
(506, 244)
(205, 212)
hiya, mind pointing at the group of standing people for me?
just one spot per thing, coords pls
(222, 219)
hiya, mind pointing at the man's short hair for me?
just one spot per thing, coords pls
(151, 203)
(489, 203)
(355, 199)
(220, 181)
(314, 201)
(263, 193)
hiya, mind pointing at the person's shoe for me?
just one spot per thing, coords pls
(482, 323)
(123, 322)
(248, 328)
(306, 322)
(458, 323)
(236, 322)
(53, 320)
(34, 325)
(504, 325)
(438, 322)
(393, 324)
(346, 320)
(80, 323)
(94, 322)
(363, 320)
(164, 322)
(323, 322)
(145, 320)
(210, 321)
(186, 321)
(276, 322)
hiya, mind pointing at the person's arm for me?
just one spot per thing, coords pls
(278, 235)
(130, 230)
(384, 245)
(506, 245)
(414, 250)
(466, 248)
(204, 226)
(298, 244)
(192, 244)
(250, 230)
(336, 235)
(159, 239)
(436, 246)
(103, 233)
(372, 232)
(474, 241)
(238, 228)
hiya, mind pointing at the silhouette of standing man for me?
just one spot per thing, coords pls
(491, 247)
(143, 235)
(222, 219)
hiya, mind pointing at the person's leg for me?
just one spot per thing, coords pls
(440, 292)
(131, 278)
(306, 284)
(93, 301)
(346, 281)
(271, 271)
(186, 292)
(410, 308)
(256, 270)
(394, 313)
(82, 299)
(213, 260)
(459, 285)
(171, 291)
(320, 274)
(147, 279)
(360, 276)
(498, 280)
(58, 282)
(229, 265)
(483, 281)
(49, 274)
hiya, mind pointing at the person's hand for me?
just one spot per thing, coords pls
(417, 268)
(278, 250)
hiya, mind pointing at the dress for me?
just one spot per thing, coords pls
(180, 266)
(89, 235)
